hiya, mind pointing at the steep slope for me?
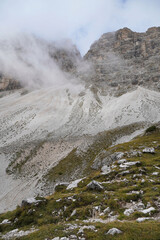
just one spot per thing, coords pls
(125, 59)
(75, 108)
(70, 112)
(42, 127)
(123, 194)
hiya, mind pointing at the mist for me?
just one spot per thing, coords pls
(27, 59)
(26, 27)
(83, 21)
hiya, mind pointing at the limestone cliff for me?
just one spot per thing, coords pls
(124, 58)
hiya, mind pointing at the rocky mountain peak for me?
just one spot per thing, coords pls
(124, 59)
(124, 34)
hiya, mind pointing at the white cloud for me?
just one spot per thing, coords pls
(82, 20)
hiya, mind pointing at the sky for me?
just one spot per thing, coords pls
(83, 21)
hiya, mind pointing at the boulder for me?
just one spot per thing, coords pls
(148, 210)
(105, 169)
(142, 219)
(5, 221)
(74, 184)
(114, 231)
(149, 150)
(30, 201)
(94, 185)
(128, 212)
(129, 164)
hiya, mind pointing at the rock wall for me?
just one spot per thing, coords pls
(125, 58)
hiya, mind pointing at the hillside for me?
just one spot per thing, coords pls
(123, 194)
(125, 59)
(67, 121)
(42, 127)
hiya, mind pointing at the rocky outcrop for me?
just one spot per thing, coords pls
(125, 59)
(67, 57)
(8, 84)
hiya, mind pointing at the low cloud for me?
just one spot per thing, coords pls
(28, 60)
(81, 20)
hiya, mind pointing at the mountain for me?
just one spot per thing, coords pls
(125, 59)
(60, 120)
(119, 200)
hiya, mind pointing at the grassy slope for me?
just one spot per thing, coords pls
(79, 165)
(51, 219)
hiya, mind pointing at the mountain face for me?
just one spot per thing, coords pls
(55, 134)
(126, 59)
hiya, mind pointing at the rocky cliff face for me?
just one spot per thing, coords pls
(124, 59)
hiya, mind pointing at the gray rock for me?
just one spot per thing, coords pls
(128, 212)
(106, 170)
(148, 210)
(129, 164)
(30, 201)
(114, 231)
(72, 237)
(107, 210)
(73, 213)
(121, 161)
(5, 221)
(94, 185)
(149, 150)
(142, 219)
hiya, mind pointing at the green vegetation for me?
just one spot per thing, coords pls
(151, 129)
(20, 158)
(81, 164)
(121, 187)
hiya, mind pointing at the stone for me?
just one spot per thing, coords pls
(30, 201)
(148, 210)
(140, 206)
(117, 155)
(121, 161)
(129, 164)
(105, 169)
(91, 227)
(107, 210)
(149, 150)
(72, 237)
(142, 219)
(14, 234)
(94, 185)
(73, 213)
(128, 212)
(74, 184)
(5, 221)
(114, 231)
